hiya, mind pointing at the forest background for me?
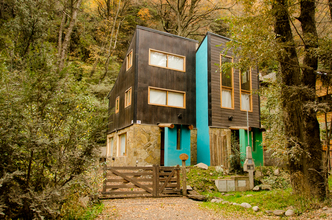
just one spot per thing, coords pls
(60, 58)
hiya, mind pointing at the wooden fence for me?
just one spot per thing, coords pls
(152, 181)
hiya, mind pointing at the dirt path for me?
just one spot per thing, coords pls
(155, 208)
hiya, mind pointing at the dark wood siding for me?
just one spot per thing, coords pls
(125, 80)
(165, 78)
(219, 116)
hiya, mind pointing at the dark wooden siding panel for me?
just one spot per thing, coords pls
(220, 115)
(125, 80)
(165, 78)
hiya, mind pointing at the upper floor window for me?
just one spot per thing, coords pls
(128, 97)
(129, 60)
(167, 60)
(117, 104)
(226, 78)
(164, 97)
(245, 82)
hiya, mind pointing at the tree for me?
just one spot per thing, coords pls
(286, 31)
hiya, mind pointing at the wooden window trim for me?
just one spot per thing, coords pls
(178, 138)
(129, 60)
(109, 150)
(117, 107)
(167, 90)
(119, 145)
(226, 87)
(166, 53)
(129, 104)
(246, 91)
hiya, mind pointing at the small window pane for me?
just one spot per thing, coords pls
(158, 59)
(176, 99)
(123, 145)
(226, 98)
(245, 79)
(175, 62)
(245, 101)
(111, 142)
(157, 97)
(226, 72)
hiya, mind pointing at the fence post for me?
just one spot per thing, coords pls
(184, 157)
(105, 176)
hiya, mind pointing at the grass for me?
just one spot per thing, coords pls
(89, 213)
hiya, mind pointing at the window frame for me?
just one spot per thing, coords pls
(118, 153)
(110, 146)
(117, 107)
(130, 97)
(248, 92)
(167, 54)
(226, 87)
(129, 60)
(167, 90)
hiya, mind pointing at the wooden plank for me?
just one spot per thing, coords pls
(130, 168)
(125, 181)
(126, 193)
(125, 186)
(165, 183)
(137, 173)
(132, 180)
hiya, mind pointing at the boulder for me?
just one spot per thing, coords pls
(216, 200)
(276, 172)
(289, 212)
(189, 188)
(197, 197)
(278, 212)
(225, 202)
(246, 205)
(202, 166)
(266, 187)
(256, 188)
(255, 208)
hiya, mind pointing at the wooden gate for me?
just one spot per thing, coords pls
(153, 181)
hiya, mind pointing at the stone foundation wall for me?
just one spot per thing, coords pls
(142, 146)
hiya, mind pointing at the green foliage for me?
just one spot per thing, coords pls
(236, 158)
(203, 180)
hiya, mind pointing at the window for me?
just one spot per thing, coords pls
(245, 82)
(117, 104)
(178, 141)
(167, 60)
(226, 78)
(129, 60)
(128, 97)
(122, 142)
(110, 146)
(164, 97)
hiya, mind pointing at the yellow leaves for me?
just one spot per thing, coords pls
(144, 14)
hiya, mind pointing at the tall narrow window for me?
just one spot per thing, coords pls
(167, 60)
(245, 82)
(178, 141)
(110, 146)
(226, 79)
(129, 60)
(164, 97)
(128, 97)
(117, 104)
(122, 148)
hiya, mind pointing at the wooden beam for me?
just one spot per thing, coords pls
(163, 125)
(239, 127)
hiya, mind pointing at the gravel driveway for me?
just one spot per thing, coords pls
(155, 208)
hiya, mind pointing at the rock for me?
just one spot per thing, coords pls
(202, 166)
(211, 174)
(220, 169)
(289, 212)
(225, 202)
(249, 195)
(258, 174)
(84, 201)
(216, 200)
(278, 212)
(276, 172)
(325, 208)
(189, 188)
(246, 205)
(197, 197)
(255, 208)
(256, 188)
(268, 212)
(266, 187)
(234, 203)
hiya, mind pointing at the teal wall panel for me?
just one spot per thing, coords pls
(257, 150)
(171, 153)
(202, 122)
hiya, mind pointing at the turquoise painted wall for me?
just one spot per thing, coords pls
(257, 151)
(202, 122)
(171, 153)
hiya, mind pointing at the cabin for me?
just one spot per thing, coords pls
(172, 97)
(227, 107)
(152, 103)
